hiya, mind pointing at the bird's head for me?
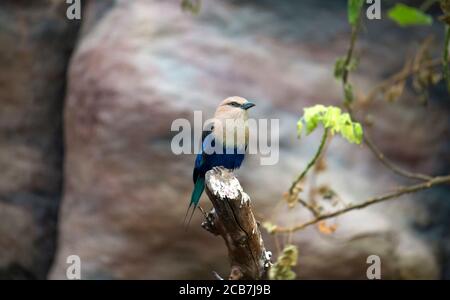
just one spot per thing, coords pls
(234, 108)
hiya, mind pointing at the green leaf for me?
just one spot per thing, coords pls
(282, 268)
(331, 118)
(354, 9)
(270, 227)
(352, 132)
(339, 67)
(348, 93)
(312, 117)
(405, 15)
(358, 133)
(192, 6)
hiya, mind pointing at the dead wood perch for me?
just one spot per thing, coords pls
(233, 219)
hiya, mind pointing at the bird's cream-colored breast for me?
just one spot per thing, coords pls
(231, 133)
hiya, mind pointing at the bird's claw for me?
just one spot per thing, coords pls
(219, 169)
(209, 223)
(267, 259)
(203, 212)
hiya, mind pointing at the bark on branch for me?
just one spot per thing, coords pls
(233, 219)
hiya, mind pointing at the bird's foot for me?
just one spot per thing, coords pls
(267, 259)
(203, 211)
(220, 169)
(209, 223)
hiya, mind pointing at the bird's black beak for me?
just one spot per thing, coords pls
(247, 105)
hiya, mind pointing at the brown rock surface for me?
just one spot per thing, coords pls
(36, 41)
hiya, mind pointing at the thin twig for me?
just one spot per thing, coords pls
(348, 97)
(312, 180)
(387, 163)
(426, 5)
(310, 207)
(445, 57)
(402, 191)
(351, 49)
(400, 76)
(310, 164)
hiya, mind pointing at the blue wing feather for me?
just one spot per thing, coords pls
(205, 161)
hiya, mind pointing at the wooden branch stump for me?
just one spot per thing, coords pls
(233, 219)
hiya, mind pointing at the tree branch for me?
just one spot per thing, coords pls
(387, 163)
(402, 191)
(404, 74)
(350, 51)
(233, 219)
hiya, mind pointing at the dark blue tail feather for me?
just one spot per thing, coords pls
(195, 198)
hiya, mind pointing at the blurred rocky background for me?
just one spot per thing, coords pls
(87, 106)
(36, 43)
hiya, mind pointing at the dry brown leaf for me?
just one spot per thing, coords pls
(394, 92)
(326, 229)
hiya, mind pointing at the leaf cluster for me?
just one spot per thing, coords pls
(282, 268)
(332, 119)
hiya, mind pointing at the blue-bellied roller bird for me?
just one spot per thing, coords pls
(223, 144)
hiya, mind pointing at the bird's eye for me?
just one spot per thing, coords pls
(235, 104)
